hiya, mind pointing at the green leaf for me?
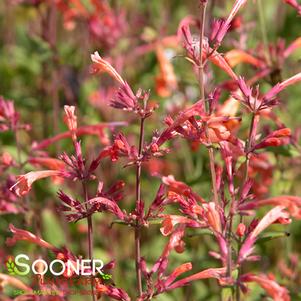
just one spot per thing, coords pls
(53, 231)
(285, 150)
(272, 235)
(226, 294)
(11, 267)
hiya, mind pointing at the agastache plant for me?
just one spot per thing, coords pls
(232, 122)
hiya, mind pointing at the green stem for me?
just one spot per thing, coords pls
(264, 32)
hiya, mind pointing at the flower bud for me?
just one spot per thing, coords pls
(241, 229)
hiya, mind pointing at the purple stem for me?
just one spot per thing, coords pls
(90, 235)
(138, 201)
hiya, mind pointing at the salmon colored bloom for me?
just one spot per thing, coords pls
(273, 289)
(237, 56)
(166, 81)
(50, 163)
(19, 234)
(176, 186)
(281, 86)
(170, 221)
(217, 59)
(212, 217)
(175, 241)
(71, 121)
(101, 65)
(271, 217)
(70, 118)
(24, 182)
(217, 273)
(276, 138)
(195, 125)
(183, 268)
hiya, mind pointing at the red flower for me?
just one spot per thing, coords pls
(277, 292)
(276, 138)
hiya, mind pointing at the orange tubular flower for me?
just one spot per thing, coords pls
(170, 221)
(218, 60)
(276, 138)
(183, 268)
(24, 182)
(217, 273)
(166, 82)
(101, 65)
(50, 163)
(237, 56)
(213, 217)
(176, 186)
(175, 242)
(71, 120)
(180, 188)
(277, 292)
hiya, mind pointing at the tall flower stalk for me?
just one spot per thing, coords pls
(138, 205)
(203, 8)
